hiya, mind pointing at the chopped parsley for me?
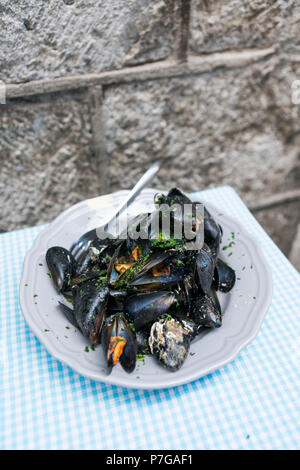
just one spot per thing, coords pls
(230, 245)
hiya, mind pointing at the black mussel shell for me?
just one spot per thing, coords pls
(142, 341)
(69, 314)
(62, 266)
(174, 196)
(170, 340)
(138, 233)
(205, 264)
(224, 277)
(116, 326)
(176, 273)
(139, 268)
(176, 222)
(187, 290)
(97, 255)
(145, 308)
(108, 331)
(128, 358)
(212, 232)
(93, 272)
(90, 301)
(150, 262)
(116, 300)
(206, 311)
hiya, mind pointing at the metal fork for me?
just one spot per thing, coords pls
(80, 247)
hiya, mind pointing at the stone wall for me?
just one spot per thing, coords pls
(96, 91)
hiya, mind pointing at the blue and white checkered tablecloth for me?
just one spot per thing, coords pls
(251, 403)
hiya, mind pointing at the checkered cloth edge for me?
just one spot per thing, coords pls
(251, 403)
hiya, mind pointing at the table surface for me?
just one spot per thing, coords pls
(252, 403)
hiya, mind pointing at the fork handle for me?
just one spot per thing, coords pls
(145, 179)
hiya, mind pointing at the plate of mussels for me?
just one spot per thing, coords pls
(149, 311)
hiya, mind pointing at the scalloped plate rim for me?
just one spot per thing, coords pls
(171, 380)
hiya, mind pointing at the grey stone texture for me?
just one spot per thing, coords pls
(290, 32)
(227, 127)
(46, 159)
(47, 39)
(218, 25)
(234, 126)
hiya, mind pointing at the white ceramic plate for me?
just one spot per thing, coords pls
(244, 307)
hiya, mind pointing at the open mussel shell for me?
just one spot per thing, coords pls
(119, 343)
(62, 266)
(170, 273)
(205, 264)
(206, 311)
(176, 221)
(90, 301)
(97, 256)
(145, 308)
(138, 233)
(176, 275)
(224, 277)
(139, 268)
(170, 340)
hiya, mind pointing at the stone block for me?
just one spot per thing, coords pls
(217, 25)
(58, 38)
(226, 127)
(46, 158)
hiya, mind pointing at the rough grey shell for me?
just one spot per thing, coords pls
(169, 341)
